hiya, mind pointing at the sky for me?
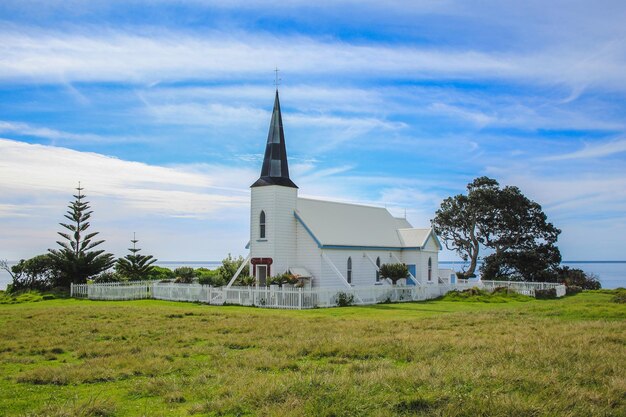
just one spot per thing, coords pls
(161, 110)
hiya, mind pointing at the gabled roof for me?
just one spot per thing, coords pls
(334, 224)
(275, 170)
(417, 238)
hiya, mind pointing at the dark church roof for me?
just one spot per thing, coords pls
(275, 170)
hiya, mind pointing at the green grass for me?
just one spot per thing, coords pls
(68, 357)
(476, 295)
(30, 296)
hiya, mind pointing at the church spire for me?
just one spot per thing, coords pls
(275, 170)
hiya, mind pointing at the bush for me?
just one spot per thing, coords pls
(282, 279)
(160, 273)
(578, 277)
(344, 300)
(275, 280)
(620, 296)
(477, 295)
(38, 273)
(545, 294)
(108, 277)
(210, 277)
(394, 272)
(184, 275)
(245, 280)
(572, 289)
(229, 267)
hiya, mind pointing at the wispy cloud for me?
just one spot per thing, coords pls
(593, 150)
(93, 54)
(56, 136)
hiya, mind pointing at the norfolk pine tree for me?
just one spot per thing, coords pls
(76, 261)
(135, 266)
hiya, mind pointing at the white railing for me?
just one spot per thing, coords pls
(286, 297)
(524, 287)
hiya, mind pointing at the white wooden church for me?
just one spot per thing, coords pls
(331, 244)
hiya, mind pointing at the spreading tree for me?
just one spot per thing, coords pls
(76, 260)
(135, 266)
(463, 221)
(514, 228)
(521, 238)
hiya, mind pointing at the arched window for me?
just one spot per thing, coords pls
(262, 225)
(349, 275)
(378, 270)
(430, 269)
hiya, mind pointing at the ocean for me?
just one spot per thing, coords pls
(612, 274)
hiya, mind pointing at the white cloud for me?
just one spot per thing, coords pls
(57, 137)
(28, 170)
(94, 54)
(595, 150)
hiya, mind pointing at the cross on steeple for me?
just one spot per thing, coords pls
(276, 79)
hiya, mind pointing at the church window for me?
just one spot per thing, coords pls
(262, 225)
(430, 269)
(378, 269)
(349, 275)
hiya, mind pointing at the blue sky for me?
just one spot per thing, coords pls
(162, 108)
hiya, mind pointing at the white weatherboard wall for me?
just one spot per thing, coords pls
(363, 271)
(279, 204)
(308, 253)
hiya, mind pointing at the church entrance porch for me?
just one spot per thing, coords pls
(261, 269)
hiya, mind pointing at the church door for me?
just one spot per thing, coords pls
(412, 271)
(261, 275)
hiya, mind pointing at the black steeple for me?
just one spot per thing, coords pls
(275, 170)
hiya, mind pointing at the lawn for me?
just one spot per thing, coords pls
(67, 357)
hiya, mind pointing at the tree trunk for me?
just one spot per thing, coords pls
(473, 254)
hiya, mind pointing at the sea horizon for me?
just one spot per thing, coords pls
(612, 273)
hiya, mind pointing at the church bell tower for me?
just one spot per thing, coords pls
(273, 203)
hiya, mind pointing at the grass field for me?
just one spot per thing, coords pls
(563, 357)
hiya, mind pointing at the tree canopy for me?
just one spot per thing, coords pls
(514, 228)
(394, 272)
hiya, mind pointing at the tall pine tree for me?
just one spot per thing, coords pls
(135, 266)
(76, 261)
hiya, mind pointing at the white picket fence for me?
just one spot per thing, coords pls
(525, 288)
(287, 298)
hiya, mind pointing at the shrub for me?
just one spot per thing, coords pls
(572, 289)
(578, 277)
(184, 275)
(275, 280)
(37, 273)
(160, 273)
(498, 295)
(229, 267)
(545, 294)
(620, 296)
(282, 279)
(394, 272)
(344, 299)
(245, 280)
(108, 277)
(210, 277)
